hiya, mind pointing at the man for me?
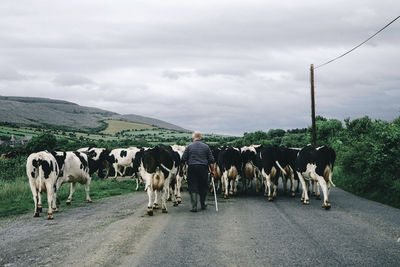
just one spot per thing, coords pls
(198, 157)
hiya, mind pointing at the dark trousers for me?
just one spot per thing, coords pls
(198, 179)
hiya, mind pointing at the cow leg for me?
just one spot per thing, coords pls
(232, 183)
(35, 197)
(39, 199)
(275, 188)
(155, 204)
(318, 194)
(264, 181)
(172, 190)
(71, 193)
(257, 184)
(150, 204)
(284, 181)
(313, 188)
(226, 184)
(55, 209)
(87, 189)
(322, 183)
(164, 195)
(305, 190)
(269, 184)
(49, 190)
(169, 198)
(124, 171)
(137, 183)
(292, 182)
(178, 188)
(115, 167)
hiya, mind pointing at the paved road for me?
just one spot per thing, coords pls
(247, 231)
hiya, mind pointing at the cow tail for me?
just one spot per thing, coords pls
(330, 181)
(163, 166)
(280, 167)
(40, 176)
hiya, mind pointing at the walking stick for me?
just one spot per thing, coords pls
(215, 194)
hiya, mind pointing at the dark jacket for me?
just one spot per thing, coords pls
(198, 153)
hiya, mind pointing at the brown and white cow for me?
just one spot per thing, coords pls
(248, 155)
(230, 165)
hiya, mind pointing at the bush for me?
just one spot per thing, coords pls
(370, 160)
(12, 168)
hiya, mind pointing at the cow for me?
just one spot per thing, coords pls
(138, 177)
(122, 158)
(76, 167)
(266, 162)
(287, 162)
(316, 164)
(101, 157)
(181, 174)
(217, 170)
(230, 165)
(249, 170)
(156, 166)
(42, 170)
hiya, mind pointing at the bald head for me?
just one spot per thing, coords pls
(196, 136)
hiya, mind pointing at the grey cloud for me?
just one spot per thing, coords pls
(222, 66)
(176, 74)
(9, 74)
(67, 79)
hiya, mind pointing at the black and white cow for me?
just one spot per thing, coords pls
(101, 158)
(249, 169)
(42, 170)
(122, 158)
(287, 163)
(156, 166)
(137, 175)
(316, 164)
(181, 174)
(76, 167)
(230, 165)
(266, 162)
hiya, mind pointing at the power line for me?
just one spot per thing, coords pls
(387, 25)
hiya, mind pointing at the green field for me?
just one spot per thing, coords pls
(118, 126)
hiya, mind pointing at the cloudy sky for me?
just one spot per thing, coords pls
(215, 66)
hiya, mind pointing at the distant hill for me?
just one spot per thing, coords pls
(44, 111)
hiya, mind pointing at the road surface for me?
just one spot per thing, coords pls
(247, 231)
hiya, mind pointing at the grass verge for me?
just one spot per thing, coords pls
(16, 196)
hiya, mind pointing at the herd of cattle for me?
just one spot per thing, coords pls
(162, 172)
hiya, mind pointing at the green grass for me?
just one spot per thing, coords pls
(16, 196)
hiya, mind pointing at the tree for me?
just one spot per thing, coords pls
(46, 141)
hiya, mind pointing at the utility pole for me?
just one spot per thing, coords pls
(314, 133)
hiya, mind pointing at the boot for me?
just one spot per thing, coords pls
(193, 200)
(203, 202)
